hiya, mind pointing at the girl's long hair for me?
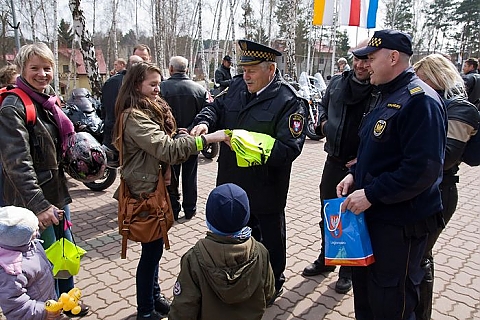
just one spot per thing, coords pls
(130, 97)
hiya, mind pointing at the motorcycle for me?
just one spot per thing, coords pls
(85, 113)
(312, 88)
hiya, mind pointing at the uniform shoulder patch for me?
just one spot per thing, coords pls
(415, 89)
(296, 122)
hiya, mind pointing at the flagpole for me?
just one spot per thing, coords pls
(356, 37)
(309, 40)
(334, 41)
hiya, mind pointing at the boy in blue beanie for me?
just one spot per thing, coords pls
(227, 273)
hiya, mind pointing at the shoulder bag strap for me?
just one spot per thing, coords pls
(122, 193)
(161, 194)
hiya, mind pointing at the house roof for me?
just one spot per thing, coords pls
(77, 57)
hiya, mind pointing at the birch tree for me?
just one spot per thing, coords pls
(86, 48)
(288, 8)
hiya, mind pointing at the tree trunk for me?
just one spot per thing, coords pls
(56, 79)
(201, 48)
(114, 28)
(232, 28)
(45, 21)
(290, 45)
(86, 48)
(217, 39)
(32, 20)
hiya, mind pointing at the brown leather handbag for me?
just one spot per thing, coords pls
(146, 218)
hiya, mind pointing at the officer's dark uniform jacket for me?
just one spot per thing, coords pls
(223, 77)
(334, 109)
(398, 171)
(270, 113)
(33, 176)
(185, 97)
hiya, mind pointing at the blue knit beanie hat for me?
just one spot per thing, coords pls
(17, 226)
(228, 209)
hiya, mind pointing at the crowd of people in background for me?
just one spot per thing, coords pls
(395, 133)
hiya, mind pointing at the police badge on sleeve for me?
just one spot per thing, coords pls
(296, 123)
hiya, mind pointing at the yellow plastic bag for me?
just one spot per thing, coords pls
(65, 257)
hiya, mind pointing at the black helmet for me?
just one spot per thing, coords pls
(85, 159)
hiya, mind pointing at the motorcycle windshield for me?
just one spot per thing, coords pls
(304, 85)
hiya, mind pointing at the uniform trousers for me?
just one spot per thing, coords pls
(388, 289)
(270, 230)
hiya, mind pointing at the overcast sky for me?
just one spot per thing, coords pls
(126, 19)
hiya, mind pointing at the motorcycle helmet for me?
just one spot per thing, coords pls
(85, 160)
(82, 98)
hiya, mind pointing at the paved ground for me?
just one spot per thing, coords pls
(108, 283)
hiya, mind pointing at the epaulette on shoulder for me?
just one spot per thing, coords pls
(414, 89)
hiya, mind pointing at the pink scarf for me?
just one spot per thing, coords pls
(65, 126)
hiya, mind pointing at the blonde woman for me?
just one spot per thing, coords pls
(463, 118)
(34, 176)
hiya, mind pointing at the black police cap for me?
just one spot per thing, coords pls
(388, 39)
(227, 58)
(254, 53)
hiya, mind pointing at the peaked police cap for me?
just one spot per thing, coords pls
(254, 53)
(388, 39)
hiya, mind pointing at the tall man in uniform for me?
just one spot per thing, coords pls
(396, 179)
(346, 99)
(186, 98)
(261, 102)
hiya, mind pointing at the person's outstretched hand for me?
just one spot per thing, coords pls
(199, 129)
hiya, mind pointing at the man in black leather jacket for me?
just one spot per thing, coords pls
(471, 77)
(260, 102)
(186, 98)
(346, 100)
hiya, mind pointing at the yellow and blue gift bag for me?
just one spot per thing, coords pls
(347, 242)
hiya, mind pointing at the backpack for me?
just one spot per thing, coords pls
(30, 120)
(471, 153)
(30, 111)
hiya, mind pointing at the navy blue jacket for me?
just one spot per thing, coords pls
(401, 153)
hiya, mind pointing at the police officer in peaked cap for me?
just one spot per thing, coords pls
(260, 101)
